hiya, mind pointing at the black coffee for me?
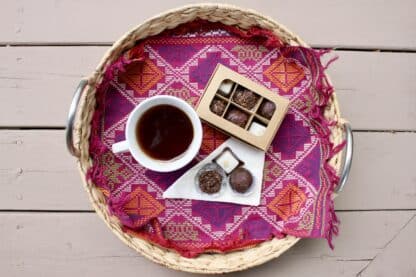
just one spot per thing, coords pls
(164, 132)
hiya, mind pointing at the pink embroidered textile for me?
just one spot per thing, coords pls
(298, 181)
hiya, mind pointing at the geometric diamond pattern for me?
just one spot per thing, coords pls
(288, 202)
(285, 74)
(141, 206)
(141, 76)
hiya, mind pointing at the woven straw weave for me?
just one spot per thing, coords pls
(209, 262)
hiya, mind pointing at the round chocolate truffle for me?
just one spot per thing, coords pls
(267, 109)
(241, 180)
(218, 106)
(210, 181)
(246, 98)
(237, 117)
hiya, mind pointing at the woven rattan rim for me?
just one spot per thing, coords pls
(205, 263)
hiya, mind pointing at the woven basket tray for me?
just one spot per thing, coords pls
(82, 110)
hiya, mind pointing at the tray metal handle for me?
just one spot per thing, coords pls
(69, 133)
(346, 166)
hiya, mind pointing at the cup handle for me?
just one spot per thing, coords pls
(120, 147)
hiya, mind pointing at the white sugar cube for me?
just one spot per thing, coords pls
(227, 161)
(257, 129)
(226, 87)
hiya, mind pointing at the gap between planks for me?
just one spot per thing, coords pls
(48, 128)
(92, 211)
(93, 44)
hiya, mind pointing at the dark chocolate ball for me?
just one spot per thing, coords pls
(246, 98)
(210, 181)
(237, 117)
(218, 106)
(241, 179)
(267, 109)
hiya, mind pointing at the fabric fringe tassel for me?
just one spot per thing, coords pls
(325, 91)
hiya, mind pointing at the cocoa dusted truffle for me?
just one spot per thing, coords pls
(245, 98)
(267, 109)
(218, 106)
(210, 181)
(237, 117)
(241, 180)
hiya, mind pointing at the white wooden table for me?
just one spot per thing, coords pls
(47, 227)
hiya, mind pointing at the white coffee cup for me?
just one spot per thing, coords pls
(131, 143)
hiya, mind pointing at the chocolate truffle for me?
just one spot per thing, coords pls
(267, 109)
(237, 117)
(218, 106)
(210, 181)
(241, 180)
(245, 98)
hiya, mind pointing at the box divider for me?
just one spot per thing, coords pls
(262, 119)
(250, 119)
(256, 107)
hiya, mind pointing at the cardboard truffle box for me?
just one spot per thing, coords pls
(242, 108)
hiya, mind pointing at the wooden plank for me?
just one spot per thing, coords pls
(38, 83)
(321, 22)
(37, 173)
(398, 255)
(80, 245)
(375, 90)
(382, 173)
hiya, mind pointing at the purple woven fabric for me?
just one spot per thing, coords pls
(298, 181)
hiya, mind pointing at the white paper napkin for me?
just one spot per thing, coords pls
(253, 159)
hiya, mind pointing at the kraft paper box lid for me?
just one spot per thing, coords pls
(258, 130)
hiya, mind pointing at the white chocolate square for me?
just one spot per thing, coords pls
(227, 161)
(226, 87)
(257, 129)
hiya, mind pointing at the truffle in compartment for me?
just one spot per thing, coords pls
(241, 180)
(245, 98)
(226, 88)
(257, 129)
(218, 106)
(237, 116)
(227, 160)
(267, 109)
